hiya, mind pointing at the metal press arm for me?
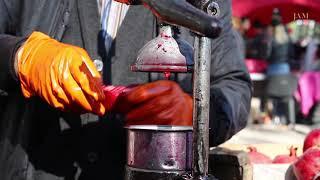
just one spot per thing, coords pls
(182, 13)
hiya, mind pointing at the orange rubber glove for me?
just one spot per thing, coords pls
(61, 74)
(157, 103)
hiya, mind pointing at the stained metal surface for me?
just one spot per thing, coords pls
(160, 128)
(201, 93)
(161, 54)
(156, 149)
(201, 103)
(181, 13)
(142, 174)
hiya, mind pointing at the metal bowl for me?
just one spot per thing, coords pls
(159, 147)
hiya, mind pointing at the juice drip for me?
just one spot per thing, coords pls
(167, 75)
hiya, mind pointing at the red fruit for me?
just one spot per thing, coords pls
(307, 167)
(286, 159)
(312, 139)
(257, 157)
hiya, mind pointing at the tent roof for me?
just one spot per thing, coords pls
(290, 9)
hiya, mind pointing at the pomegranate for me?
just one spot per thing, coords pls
(286, 159)
(307, 167)
(257, 157)
(312, 139)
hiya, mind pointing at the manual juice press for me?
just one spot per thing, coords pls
(176, 152)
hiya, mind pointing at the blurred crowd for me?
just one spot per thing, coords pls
(289, 71)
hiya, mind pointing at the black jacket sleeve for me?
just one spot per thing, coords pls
(8, 45)
(230, 89)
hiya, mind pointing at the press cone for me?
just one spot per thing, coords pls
(161, 54)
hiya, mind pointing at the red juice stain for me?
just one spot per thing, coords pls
(165, 36)
(167, 75)
(164, 50)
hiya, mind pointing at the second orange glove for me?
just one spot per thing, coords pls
(156, 103)
(61, 74)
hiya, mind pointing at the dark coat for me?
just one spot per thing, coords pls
(39, 142)
(280, 51)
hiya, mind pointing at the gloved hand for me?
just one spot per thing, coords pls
(112, 93)
(61, 74)
(157, 103)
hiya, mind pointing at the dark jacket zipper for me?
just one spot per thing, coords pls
(57, 20)
(61, 19)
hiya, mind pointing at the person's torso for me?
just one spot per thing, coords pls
(39, 142)
(279, 52)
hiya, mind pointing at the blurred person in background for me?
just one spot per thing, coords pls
(316, 66)
(280, 83)
(241, 26)
(278, 56)
(259, 46)
(311, 61)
